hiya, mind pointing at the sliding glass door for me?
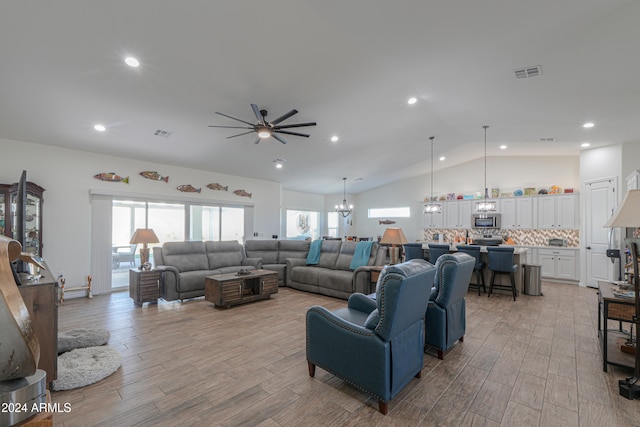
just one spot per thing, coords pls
(171, 222)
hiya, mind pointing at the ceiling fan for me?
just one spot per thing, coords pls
(265, 129)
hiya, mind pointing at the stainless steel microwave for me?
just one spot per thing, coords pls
(485, 220)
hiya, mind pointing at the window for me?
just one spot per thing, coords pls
(332, 224)
(216, 223)
(403, 212)
(303, 224)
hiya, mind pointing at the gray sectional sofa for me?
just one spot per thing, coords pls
(186, 264)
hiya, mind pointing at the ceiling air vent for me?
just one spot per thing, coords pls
(162, 133)
(546, 139)
(528, 72)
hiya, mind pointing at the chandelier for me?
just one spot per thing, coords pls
(344, 209)
(431, 207)
(485, 205)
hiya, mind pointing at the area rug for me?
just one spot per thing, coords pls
(81, 338)
(84, 366)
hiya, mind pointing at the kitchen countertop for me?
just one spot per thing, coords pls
(516, 249)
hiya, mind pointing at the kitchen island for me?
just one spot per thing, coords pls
(519, 258)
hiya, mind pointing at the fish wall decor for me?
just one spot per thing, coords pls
(188, 188)
(242, 193)
(111, 177)
(386, 221)
(154, 176)
(216, 186)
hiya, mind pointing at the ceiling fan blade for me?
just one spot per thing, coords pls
(284, 116)
(256, 111)
(290, 133)
(278, 138)
(297, 125)
(243, 133)
(231, 127)
(234, 118)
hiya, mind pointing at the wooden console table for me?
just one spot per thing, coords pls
(231, 289)
(41, 299)
(611, 307)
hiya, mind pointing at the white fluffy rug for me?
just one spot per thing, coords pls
(84, 366)
(80, 338)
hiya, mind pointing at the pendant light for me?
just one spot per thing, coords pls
(431, 207)
(344, 209)
(486, 205)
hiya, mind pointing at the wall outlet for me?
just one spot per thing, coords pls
(255, 234)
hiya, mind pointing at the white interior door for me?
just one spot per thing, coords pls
(600, 201)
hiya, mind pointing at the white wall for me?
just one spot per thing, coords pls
(67, 176)
(505, 173)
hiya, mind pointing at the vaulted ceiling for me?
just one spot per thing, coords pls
(350, 66)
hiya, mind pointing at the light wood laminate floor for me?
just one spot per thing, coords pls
(533, 362)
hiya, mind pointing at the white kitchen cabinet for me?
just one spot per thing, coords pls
(432, 220)
(457, 214)
(517, 212)
(559, 263)
(558, 212)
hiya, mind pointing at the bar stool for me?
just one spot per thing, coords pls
(501, 262)
(412, 251)
(474, 251)
(436, 250)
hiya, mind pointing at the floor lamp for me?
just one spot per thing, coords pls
(627, 215)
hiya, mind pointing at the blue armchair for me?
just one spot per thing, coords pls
(445, 320)
(375, 345)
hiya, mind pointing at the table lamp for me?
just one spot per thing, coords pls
(393, 236)
(144, 236)
(627, 215)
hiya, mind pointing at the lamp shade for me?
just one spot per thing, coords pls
(393, 236)
(628, 213)
(144, 235)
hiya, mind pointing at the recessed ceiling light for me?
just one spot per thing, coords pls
(279, 163)
(131, 61)
(443, 158)
(588, 125)
(334, 138)
(100, 128)
(585, 145)
(503, 147)
(412, 100)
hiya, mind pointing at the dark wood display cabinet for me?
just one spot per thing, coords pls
(32, 215)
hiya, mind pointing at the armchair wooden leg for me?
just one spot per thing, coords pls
(440, 354)
(383, 407)
(462, 338)
(419, 374)
(312, 369)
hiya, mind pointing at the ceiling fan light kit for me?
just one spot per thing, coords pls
(264, 128)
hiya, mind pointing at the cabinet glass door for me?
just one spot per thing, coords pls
(33, 223)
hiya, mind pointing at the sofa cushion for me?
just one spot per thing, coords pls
(339, 280)
(329, 253)
(345, 256)
(193, 280)
(265, 249)
(292, 249)
(185, 256)
(304, 274)
(224, 254)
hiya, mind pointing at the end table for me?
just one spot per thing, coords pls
(143, 285)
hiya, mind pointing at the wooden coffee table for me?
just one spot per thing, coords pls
(225, 290)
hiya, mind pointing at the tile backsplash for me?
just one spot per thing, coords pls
(523, 237)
